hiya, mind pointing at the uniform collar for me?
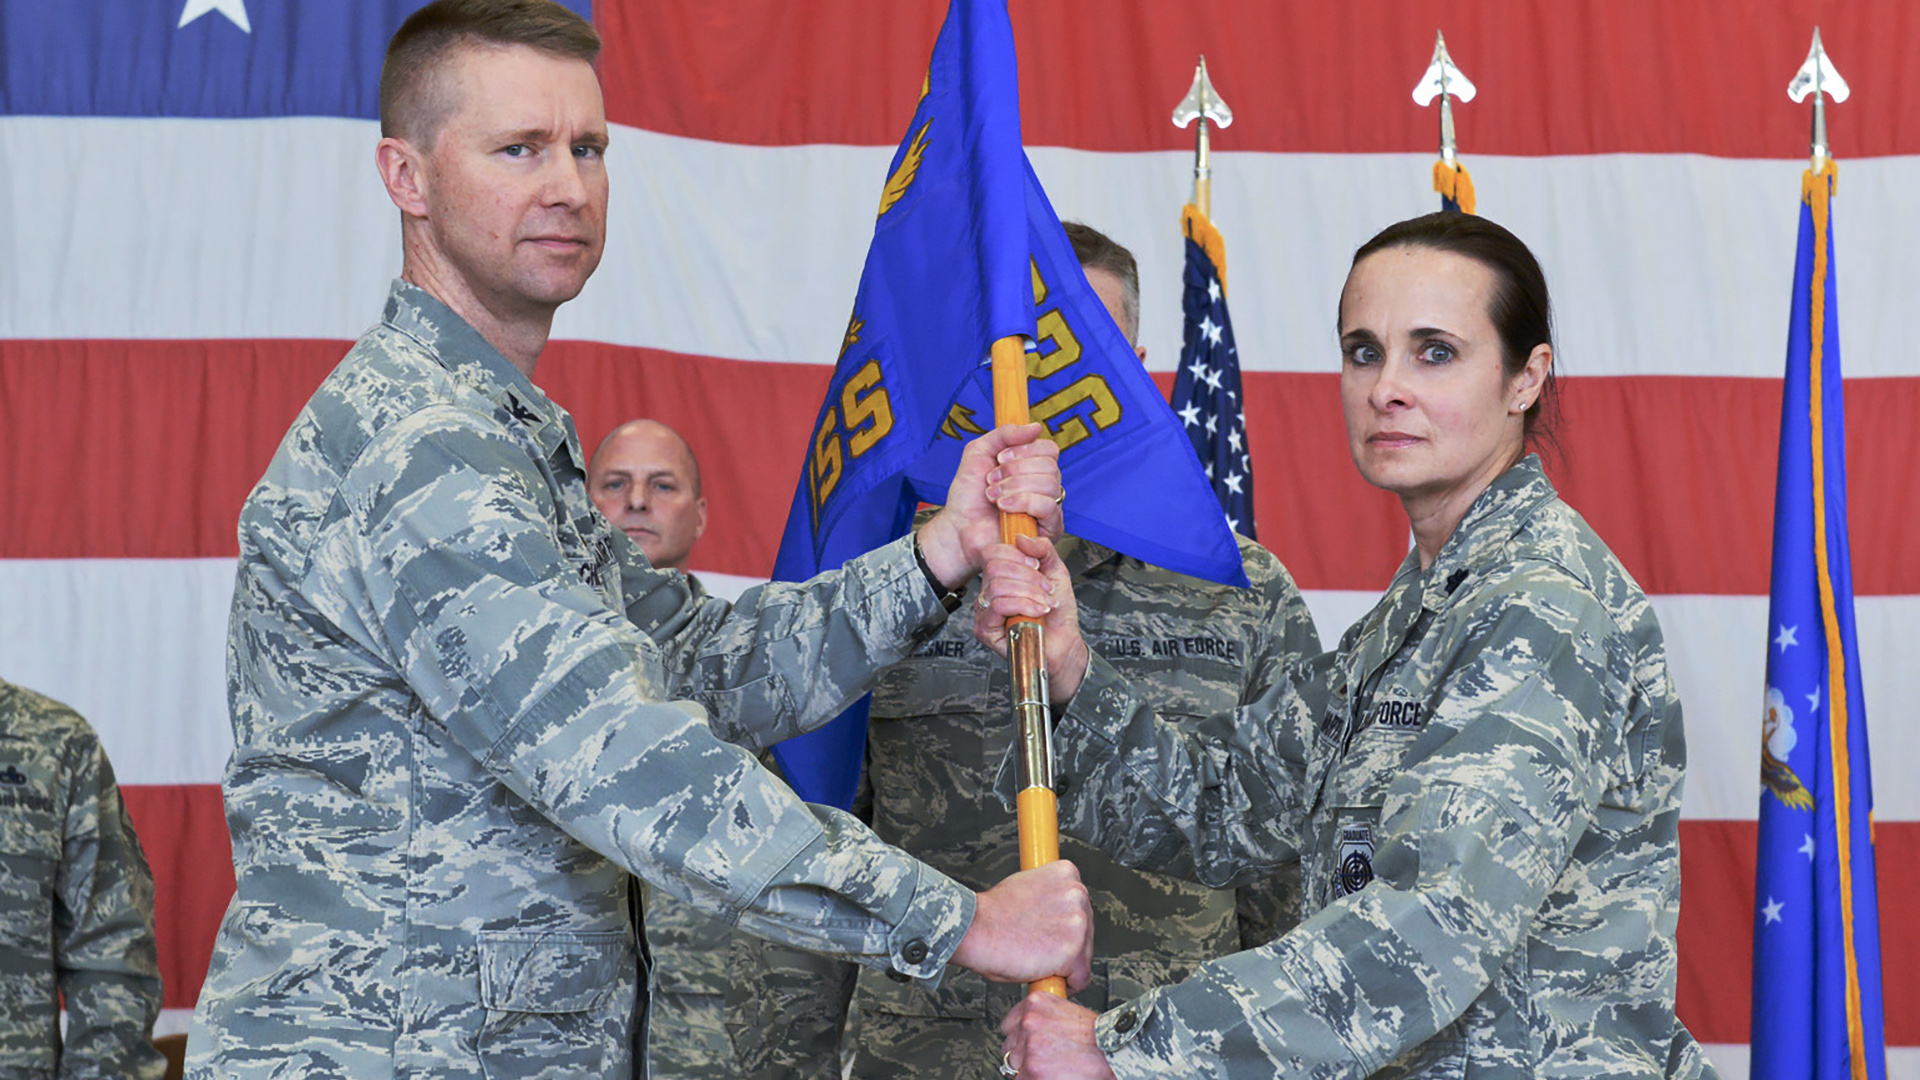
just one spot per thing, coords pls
(1080, 555)
(468, 357)
(1490, 522)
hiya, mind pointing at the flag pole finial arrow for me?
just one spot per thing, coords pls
(1202, 103)
(1819, 78)
(1444, 81)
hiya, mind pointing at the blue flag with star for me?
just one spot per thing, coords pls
(967, 250)
(210, 59)
(1206, 391)
(1817, 1007)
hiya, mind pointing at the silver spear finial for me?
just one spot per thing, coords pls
(1818, 77)
(1444, 81)
(1202, 104)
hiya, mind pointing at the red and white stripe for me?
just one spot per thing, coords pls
(175, 289)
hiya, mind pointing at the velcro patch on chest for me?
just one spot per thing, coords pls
(1354, 868)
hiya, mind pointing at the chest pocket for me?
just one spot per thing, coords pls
(556, 1004)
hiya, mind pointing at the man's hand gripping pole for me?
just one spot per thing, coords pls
(1033, 729)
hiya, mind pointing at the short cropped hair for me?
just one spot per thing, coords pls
(1097, 251)
(413, 105)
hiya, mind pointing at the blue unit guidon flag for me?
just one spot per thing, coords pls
(1817, 1009)
(198, 58)
(1206, 390)
(967, 250)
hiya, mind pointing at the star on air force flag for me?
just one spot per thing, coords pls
(1817, 1006)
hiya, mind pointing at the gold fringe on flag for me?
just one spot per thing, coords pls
(1816, 188)
(1454, 182)
(1199, 229)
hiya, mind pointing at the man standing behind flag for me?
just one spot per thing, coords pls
(966, 252)
(1817, 1006)
(453, 683)
(938, 730)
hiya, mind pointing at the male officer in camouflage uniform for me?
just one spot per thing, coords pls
(644, 477)
(452, 682)
(76, 904)
(939, 725)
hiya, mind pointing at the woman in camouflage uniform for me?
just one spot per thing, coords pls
(1482, 782)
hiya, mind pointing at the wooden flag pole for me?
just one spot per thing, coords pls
(1033, 731)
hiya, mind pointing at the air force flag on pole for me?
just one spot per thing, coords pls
(1816, 930)
(966, 251)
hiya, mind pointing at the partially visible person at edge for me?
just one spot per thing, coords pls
(645, 478)
(464, 706)
(76, 904)
(1483, 781)
(938, 727)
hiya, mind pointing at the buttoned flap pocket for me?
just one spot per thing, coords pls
(1130, 977)
(1180, 686)
(737, 708)
(962, 995)
(949, 674)
(558, 1004)
(939, 722)
(554, 973)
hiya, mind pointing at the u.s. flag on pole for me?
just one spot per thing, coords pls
(1206, 389)
(1817, 1011)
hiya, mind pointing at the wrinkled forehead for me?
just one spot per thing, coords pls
(481, 86)
(645, 450)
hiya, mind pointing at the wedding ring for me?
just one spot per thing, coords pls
(1006, 1066)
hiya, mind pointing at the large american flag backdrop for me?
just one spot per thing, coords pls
(193, 232)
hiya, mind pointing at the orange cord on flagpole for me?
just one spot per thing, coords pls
(1200, 229)
(1454, 182)
(1816, 187)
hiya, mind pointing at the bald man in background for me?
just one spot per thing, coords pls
(644, 478)
(936, 734)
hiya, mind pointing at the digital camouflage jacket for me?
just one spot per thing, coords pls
(1484, 785)
(464, 708)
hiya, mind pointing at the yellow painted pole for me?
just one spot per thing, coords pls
(1035, 802)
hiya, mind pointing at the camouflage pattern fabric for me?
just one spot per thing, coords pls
(453, 691)
(939, 727)
(76, 905)
(1484, 783)
(686, 1030)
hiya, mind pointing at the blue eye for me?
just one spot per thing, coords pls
(589, 152)
(1439, 352)
(1363, 355)
(515, 150)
